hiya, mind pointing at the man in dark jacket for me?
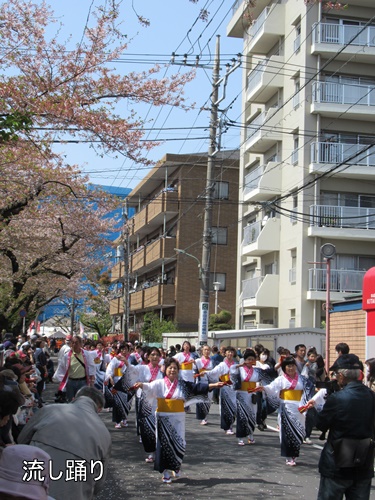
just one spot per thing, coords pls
(348, 413)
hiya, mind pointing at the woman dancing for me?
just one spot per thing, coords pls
(293, 391)
(172, 394)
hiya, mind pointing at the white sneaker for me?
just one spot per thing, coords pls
(307, 441)
(241, 442)
(204, 422)
(229, 431)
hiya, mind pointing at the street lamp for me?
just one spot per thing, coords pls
(178, 250)
(203, 305)
(216, 285)
(328, 251)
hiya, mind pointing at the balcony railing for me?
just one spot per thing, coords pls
(254, 126)
(117, 272)
(258, 23)
(255, 77)
(251, 286)
(343, 34)
(235, 6)
(340, 93)
(341, 280)
(338, 152)
(159, 295)
(253, 178)
(138, 259)
(251, 233)
(342, 217)
(162, 248)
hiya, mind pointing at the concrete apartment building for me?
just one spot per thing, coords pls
(169, 212)
(307, 163)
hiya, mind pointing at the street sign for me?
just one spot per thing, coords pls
(23, 313)
(203, 322)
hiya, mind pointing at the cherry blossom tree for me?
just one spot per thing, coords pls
(77, 93)
(50, 233)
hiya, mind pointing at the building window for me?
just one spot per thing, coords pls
(293, 269)
(297, 40)
(270, 268)
(219, 236)
(221, 190)
(292, 319)
(295, 150)
(297, 88)
(220, 278)
(294, 211)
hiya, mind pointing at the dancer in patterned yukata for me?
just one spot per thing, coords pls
(186, 362)
(117, 384)
(248, 377)
(101, 360)
(293, 391)
(204, 363)
(172, 394)
(147, 407)
(228, 405)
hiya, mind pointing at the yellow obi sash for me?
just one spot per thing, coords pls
(225, 378)
(245, 386)
(170, 405)
(118, 372)
(291, 395)
(187, 366)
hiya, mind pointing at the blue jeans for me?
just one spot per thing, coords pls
(335, 489)
(72, 387)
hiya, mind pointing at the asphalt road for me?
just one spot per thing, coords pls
(214, 467)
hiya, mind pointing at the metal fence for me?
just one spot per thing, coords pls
(342, 217)
(341, 280)
(343, 34)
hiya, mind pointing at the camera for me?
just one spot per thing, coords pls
(331, 386)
